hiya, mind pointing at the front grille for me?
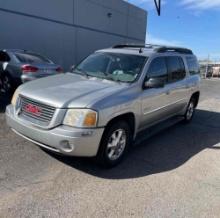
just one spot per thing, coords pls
(43, 113)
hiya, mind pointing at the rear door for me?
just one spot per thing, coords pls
(177, 84)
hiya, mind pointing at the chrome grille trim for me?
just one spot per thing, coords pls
(46, 114)
(37, 103)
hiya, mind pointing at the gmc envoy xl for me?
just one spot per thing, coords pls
(97, 109)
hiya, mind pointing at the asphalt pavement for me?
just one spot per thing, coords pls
(175, 173)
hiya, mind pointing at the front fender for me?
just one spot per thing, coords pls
(108, 114)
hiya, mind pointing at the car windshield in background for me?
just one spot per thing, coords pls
(112, 66)
(31, 58)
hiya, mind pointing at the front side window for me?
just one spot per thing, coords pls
(193, 65)
(158, 69)
(176, 69)
(112, 66)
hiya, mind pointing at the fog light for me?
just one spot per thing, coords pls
(66, 146)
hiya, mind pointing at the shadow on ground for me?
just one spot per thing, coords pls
(165, 151)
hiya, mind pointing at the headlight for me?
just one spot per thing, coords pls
(81, 118)
(15, 98)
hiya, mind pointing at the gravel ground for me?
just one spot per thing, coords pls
(175, 173)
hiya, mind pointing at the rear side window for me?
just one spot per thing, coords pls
(158, 69)
(31, 58)
(193, 65)
(176, 69)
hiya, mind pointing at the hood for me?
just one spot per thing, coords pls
(69, 90)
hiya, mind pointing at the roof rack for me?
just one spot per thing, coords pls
(135, 46)
(174, 49)
(156, 48)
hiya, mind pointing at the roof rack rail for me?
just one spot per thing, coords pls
(157, 48)
(135, 46)
(173, 49)
(129, 46)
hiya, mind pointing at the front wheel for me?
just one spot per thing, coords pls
(114, 144)
(190, 111)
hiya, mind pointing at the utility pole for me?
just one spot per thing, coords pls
(158, 6)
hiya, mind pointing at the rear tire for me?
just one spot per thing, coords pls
(190, 111)
(114, 144)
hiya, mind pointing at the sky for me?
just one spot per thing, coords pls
(188, 23)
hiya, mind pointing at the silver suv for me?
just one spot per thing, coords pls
(98, 109)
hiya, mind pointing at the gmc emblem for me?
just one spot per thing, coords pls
(30, 108)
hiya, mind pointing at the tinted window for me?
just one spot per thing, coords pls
(31, 58)
(176, 69)
(158, 69)
(192, 65)
(4, 57)
(112, 66)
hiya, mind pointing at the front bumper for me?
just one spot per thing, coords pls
(62, 139)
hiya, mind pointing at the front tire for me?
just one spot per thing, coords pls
(114, 144)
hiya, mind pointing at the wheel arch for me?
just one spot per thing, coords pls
(196, 96)
(128, 117)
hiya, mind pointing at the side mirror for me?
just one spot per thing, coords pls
(154, 83)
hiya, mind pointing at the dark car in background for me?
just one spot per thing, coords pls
(20, 66)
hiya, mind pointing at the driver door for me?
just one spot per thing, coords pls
(155, 101)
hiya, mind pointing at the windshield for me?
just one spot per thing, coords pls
(31, 58)
(112, 66)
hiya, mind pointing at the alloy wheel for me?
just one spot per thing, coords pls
(190, 110)
(116, 144)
